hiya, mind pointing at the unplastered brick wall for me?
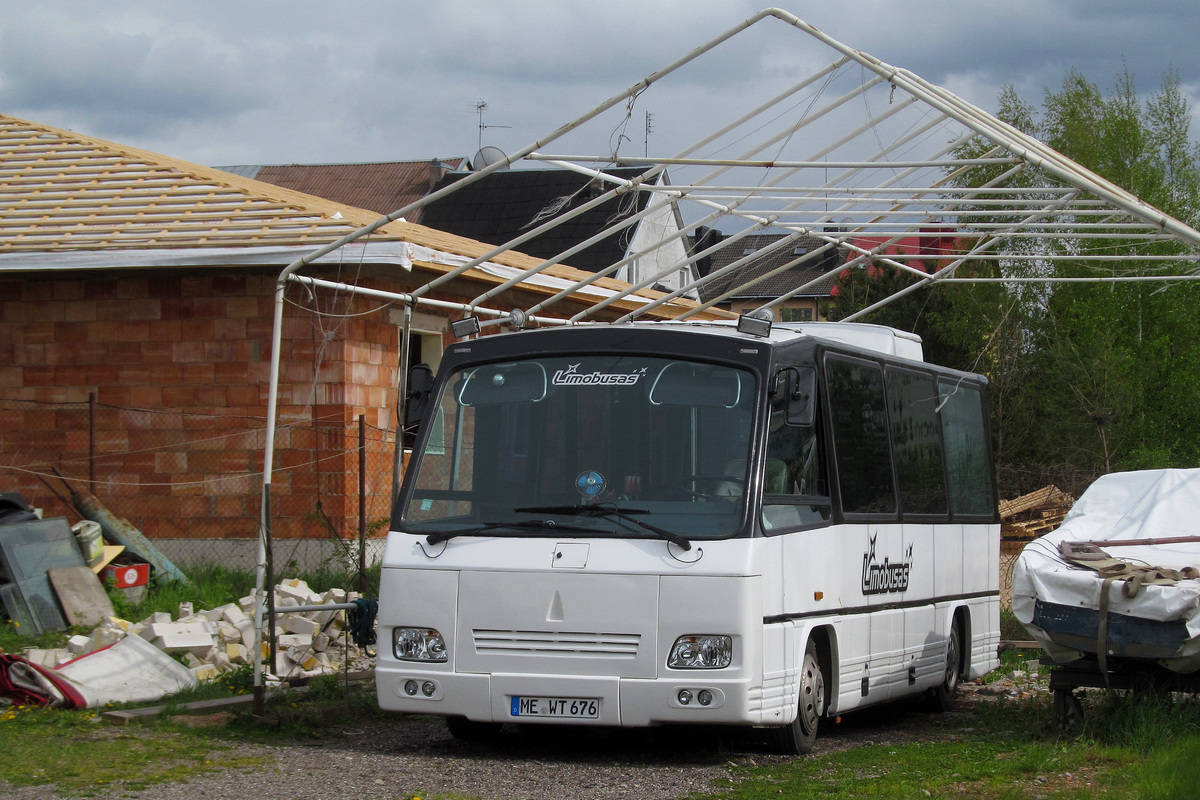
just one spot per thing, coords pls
(179, 368)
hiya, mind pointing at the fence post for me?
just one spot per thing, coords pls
(362, 504)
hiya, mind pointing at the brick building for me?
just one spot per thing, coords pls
(136, 302)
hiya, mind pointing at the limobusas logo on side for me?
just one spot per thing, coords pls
(886, 576)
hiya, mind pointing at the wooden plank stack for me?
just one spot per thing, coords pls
(1029, 516)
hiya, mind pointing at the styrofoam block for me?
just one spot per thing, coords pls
(212, 614)
(298, 591)
(159, 629)
(297, 623)
(205, 672)
(227, 632)
(334, 595)
(198, 643)
(234, 615)
(304, 660)
(323, 618)
(117, 622)
(191, 660)
(320, 642)
(102, 637)
(186, 609)
(247, 630)
(294, 640)
(77, 644)
(40, 656)
(237, 653)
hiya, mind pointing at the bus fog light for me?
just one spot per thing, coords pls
(704, 698)
(428, 688)
(410, 688)
(418, 644)
(685, 697)
(701, 651)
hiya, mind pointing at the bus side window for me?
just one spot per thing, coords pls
(917, 443)
(964, 430)
(858, 416)
(795, 492)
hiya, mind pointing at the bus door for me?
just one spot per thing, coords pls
(921, 487)
(874, 542)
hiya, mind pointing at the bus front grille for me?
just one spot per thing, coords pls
(560, 643)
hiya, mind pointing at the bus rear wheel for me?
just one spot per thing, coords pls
(798, 737)
(943, 695)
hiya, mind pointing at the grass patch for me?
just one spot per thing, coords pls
(981, 767)
(78, 755)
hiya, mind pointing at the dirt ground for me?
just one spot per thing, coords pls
(406, 757)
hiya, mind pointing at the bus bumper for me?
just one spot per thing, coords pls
(695, 700)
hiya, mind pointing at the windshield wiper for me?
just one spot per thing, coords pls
(523, 524)
(608, 510)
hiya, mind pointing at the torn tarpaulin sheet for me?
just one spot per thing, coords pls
(29, 684)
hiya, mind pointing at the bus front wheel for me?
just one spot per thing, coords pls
(469, 730)
(798, 737)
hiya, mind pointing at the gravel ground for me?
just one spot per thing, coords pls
(402, 757)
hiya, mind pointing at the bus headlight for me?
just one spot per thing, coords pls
(701, 651)
(418, 644)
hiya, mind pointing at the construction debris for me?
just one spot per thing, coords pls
(1029, 516)
(215, 641)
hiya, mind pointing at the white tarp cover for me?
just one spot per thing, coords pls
(130, 671)
(1125, 505)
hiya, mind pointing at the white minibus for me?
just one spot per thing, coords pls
(684, 523)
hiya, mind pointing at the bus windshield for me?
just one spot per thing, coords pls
(635, 446)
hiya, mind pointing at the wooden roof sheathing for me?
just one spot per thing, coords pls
(62, 191)
(67, 194)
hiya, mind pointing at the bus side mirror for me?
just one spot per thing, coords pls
(416, 402)
(798, 386)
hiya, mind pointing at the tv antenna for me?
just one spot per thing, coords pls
(649, 129)
(481, 107)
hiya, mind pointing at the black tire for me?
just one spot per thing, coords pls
(798, 737)
(944, 694)
(469, 730)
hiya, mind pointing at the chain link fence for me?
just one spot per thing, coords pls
(192, 482)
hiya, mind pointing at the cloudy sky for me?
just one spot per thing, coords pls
(252, 82)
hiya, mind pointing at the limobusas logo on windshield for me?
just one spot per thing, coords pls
(571, 376)
(888, 576)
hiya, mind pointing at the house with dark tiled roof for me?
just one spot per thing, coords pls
(511, 203)
(380, 186)
(761, 268)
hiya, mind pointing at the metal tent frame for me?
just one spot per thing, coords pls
(857, 153)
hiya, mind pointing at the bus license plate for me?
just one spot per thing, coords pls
(568, 707)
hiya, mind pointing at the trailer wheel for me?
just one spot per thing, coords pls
(1068, 711)
(798, 737)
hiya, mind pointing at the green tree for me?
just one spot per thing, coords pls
(1086, 377)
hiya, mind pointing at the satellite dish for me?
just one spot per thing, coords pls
(487, 156)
